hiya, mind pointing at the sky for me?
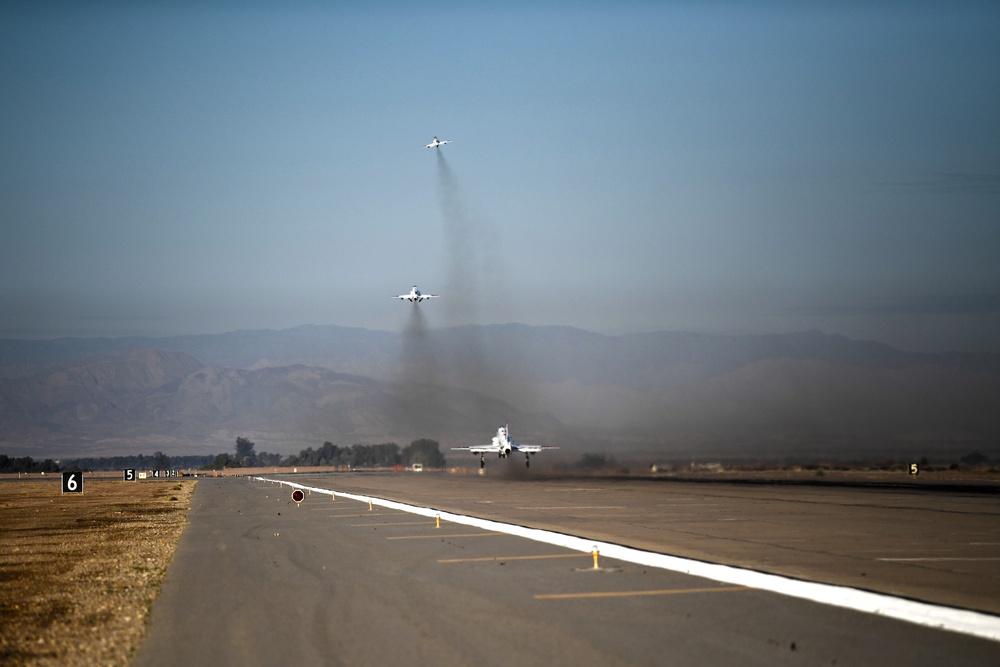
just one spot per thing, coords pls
(718, 167)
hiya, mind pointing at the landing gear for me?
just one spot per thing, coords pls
(527, 461)
(482, 461)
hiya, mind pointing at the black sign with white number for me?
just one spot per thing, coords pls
(72, 482)
(129, 475)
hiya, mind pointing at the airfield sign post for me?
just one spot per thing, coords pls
(72, 482)
(298, 496)
(128, 475)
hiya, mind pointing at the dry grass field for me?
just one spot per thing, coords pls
(78, 572)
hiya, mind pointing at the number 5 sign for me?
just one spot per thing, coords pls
(72, 482)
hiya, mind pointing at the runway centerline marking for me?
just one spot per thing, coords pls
(927, 614)
(628, 594)
(392, 523)
(505, 558)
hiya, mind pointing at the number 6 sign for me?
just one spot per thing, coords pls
(72, 482)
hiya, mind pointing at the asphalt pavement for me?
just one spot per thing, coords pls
(259, 579)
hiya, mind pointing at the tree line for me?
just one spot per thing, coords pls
(156, 461)
(423, 451)
(26, 464)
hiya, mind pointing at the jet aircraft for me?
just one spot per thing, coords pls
(503, 445)
(415, 296)
(437, 144)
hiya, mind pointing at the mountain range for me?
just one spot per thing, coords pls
(646, 396)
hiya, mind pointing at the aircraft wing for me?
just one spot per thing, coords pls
(480, 449)
(531, 449)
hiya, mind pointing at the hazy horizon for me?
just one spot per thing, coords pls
(722, 168)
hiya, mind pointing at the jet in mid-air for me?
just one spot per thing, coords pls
(437, 144)
(503, 445)
(415, 296)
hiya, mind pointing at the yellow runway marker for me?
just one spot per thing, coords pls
(437, 537)
(489, 558)
(626, 594)
(390, 523)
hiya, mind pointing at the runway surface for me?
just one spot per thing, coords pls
(258, 579)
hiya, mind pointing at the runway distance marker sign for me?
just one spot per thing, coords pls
(72, 482)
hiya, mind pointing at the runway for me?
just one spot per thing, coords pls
(940, 547)
(257, 578)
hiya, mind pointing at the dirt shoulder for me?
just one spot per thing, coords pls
(78, 572)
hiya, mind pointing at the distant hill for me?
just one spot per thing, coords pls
(338, 348)
(104, 390)
(652, 395)
(546, 353)
(146, 400)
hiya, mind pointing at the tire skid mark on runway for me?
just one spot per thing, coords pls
(575, 507)
(836, 500)
(443, 535)
(973, 623)
(936, 559)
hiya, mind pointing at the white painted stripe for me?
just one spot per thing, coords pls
(963, 621)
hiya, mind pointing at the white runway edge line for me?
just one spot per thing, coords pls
(963, 621)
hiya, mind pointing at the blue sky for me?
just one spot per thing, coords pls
(718, 167)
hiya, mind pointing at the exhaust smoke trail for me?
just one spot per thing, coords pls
(418, 363)
(425, 371)
(467, 363)
(419, 405)
(460, 239)
(435, 365)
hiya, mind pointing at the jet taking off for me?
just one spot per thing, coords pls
(437, 144)
(503, 445)
(415, 296)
